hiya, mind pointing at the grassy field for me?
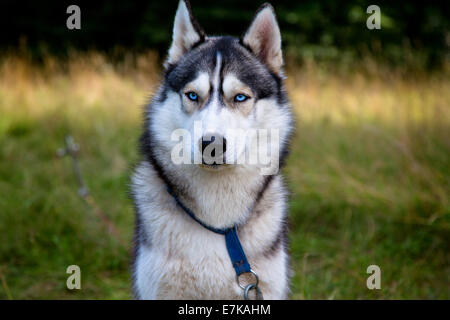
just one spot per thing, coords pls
(369, 178)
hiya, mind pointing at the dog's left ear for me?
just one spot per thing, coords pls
(186, 33)
(263, 37)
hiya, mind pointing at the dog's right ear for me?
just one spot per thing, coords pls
(186, 33)
(263, 38)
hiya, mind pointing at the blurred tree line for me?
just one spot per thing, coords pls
(412, 32)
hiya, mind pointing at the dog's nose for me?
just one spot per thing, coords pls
(213, 147)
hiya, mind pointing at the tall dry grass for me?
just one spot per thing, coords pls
(368, 173)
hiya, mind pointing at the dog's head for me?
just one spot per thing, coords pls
(222, 90)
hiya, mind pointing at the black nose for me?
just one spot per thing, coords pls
(217, 149)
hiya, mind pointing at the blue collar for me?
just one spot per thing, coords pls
(234, 247)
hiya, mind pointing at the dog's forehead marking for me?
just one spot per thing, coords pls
(216, 75)
(231, 84)
(215, 99)
(200, 84)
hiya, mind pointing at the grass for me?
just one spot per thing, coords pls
(368, 173)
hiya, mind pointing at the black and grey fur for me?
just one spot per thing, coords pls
(174, 257)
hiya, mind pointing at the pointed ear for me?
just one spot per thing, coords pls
(186, 33)
(264, 39)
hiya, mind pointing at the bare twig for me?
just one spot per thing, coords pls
(72, 149)
(5, 285)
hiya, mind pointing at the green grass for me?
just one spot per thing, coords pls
(368, 173)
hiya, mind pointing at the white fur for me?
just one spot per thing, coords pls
(186, 261)
(221, 203)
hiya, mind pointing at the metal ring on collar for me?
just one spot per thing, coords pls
(255, 284)
(250, 287)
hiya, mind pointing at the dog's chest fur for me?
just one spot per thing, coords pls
(176, 258)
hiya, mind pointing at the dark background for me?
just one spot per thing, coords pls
(413, 32)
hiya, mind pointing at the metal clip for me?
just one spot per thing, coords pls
(251, 286)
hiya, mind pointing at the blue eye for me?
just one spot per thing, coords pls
(192, 96)
(240, 97)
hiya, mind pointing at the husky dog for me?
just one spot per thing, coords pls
(222, 83)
